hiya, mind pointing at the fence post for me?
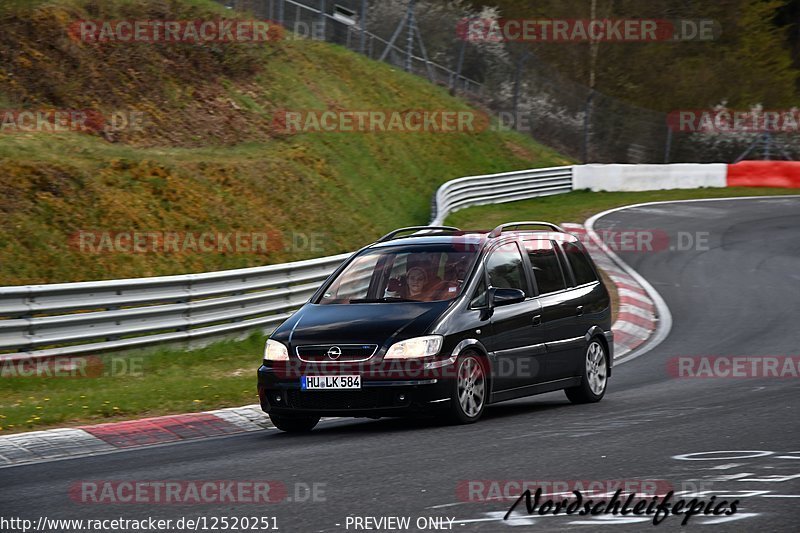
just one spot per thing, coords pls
(587, 112)
(363, 46)
(668, 148)
(457, 75)
(517, 83)
(410, 35)
(396, 33)
(322, 20)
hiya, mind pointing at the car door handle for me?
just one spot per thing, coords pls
(537, 320)
(579, 310)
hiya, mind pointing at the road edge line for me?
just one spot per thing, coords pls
(663, 314)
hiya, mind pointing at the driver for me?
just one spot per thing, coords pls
(416, 283)
(429, 262)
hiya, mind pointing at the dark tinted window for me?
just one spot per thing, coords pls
(546, 267)
(581, 268)
(505, 268)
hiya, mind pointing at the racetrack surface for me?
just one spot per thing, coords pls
(738, 296)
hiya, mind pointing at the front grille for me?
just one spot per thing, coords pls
(341, 352)
(369, 398)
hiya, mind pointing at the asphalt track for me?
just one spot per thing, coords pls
(739, 296)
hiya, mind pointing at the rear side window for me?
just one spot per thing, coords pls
(505, 268)
(581, 267)
(546, 266)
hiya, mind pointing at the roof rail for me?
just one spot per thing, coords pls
(392, 235)
(496, 232)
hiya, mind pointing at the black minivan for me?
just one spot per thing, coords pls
(443, 321)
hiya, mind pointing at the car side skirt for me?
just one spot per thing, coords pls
(530, 390)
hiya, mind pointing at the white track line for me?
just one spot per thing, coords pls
(664, 322)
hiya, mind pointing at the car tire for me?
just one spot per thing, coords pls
(470, 390)
(294, 423)
(594, 375)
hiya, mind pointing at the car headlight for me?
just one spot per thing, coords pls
(415, 348)
(275, 351)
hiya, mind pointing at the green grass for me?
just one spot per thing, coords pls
(223, 374)
(579, 205)
(133, 386)
(349, 189)
(209, 161)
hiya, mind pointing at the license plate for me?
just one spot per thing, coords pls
(330, 382)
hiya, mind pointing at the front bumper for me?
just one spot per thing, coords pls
(378, 396)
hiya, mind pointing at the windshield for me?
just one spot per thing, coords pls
(419, 273)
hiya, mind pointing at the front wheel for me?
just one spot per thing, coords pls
(470, 391)
(294, 423)
(595, 376)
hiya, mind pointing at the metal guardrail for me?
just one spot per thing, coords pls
(499, 188)
(41, 321)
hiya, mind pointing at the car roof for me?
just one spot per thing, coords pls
(477, 239)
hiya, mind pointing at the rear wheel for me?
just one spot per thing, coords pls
(470, 390)
(294, 423)
(595, 375)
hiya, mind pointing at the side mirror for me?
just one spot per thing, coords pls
(500, 297)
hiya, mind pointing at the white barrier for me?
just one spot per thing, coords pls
(649, 177)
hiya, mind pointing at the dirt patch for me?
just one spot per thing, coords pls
(520, 151)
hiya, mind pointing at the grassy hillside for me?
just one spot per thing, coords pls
(207, 158)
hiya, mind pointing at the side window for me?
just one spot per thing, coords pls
(505, 268)
(480, 298)
(581, 267)
(546, 266)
